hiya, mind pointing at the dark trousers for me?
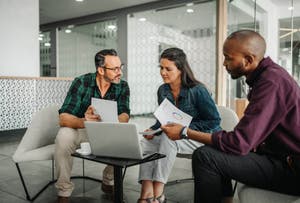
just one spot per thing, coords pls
(213, 171)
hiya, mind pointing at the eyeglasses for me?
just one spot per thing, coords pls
(115, 69)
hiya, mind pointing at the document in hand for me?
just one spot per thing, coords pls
(151, 132)
(107, 109)
(168, 113)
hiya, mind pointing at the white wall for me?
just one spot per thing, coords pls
(19, 45)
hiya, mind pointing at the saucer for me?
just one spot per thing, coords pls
(79, 151)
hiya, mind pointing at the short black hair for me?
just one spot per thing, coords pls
(253, 41)
(100, 56)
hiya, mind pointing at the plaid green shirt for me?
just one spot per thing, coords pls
(84, 87)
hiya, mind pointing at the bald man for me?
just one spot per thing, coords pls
(263, 150)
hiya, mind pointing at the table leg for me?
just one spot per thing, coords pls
(118, 184)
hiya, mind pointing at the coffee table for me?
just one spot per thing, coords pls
(119, 164)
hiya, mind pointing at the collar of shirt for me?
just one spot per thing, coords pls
(263, 64)
(112, 89)
(168, 93)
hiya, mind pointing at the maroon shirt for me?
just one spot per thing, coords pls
(272, 117)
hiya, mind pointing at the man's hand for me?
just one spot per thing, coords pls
(172, 130)
(90, 115)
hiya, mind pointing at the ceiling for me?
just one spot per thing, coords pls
(282, 3)
(58, 10)
(181, 19)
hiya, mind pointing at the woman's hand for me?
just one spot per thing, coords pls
(90, 115)
(148, 137)
(172, 130)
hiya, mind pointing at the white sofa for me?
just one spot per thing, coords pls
(249, 194)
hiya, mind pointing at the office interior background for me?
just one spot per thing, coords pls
(45, 44)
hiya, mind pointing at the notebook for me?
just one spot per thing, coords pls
(119, 140)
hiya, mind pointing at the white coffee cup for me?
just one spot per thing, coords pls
(85, 148)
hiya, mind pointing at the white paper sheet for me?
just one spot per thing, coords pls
(168, 113)
(107, 109)
(151, 132)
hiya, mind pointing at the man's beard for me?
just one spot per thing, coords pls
(114, 80)
(238, 72)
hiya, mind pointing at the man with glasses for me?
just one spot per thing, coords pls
(105, 83)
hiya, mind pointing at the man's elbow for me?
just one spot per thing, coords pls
(243, 150)
(62, 120)
(124, 118)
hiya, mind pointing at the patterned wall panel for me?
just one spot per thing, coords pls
(20, 98)
(143, 71)
(17, 103)
(145, 41)
(51, 92)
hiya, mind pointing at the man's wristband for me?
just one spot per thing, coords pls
(183, 133)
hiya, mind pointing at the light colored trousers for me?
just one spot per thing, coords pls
(160, 169)
(66, 142)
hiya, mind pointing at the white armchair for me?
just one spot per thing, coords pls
(38, 141)
(229, 118)
(37, 144)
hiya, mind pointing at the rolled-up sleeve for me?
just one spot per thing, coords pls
(123, 100)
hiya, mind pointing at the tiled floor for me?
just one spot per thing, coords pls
(36, 174)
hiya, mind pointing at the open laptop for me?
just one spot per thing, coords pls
(119, 140)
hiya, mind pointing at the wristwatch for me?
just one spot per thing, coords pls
(183, 134)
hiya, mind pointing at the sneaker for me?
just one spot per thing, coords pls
(108, 180)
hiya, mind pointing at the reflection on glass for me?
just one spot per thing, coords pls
(289, 51)
(77, 46)
(242, 14)
(190, 27)
(45, 55)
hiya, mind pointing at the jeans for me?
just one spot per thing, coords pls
(159, 170)
(213, 171)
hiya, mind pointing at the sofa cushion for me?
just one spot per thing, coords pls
(249, 195)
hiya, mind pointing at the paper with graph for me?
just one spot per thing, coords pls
(168, 113)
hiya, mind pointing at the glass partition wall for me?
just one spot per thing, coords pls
(243, 14)
(289, 40)
(45, 55)
(190, 26)
(140, 35)
(150, 32)
(279, 23)
(78, 44)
